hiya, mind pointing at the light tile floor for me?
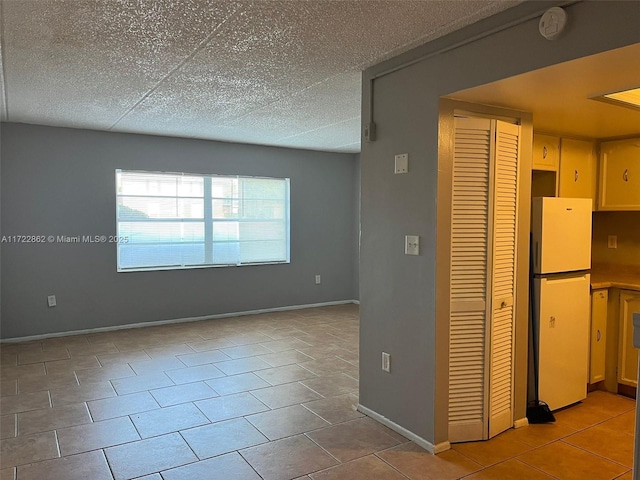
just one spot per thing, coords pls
(268, 396)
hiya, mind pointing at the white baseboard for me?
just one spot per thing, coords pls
(428, 446)
(521, 422)
(174, 320)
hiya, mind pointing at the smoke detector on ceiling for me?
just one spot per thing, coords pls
(552, 23)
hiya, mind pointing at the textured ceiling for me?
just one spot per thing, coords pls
(269, 72)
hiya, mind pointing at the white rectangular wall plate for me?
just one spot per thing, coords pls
(412, 245)
(51, 300)
(402, 163)
(386, 362)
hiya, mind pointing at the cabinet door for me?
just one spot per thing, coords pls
(577, 169)
(545, 152)
(598, 335)
(627, 354)
(620, 175)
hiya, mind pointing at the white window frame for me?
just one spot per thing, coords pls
(208, 222)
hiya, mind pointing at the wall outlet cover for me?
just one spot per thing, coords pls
(402, 163)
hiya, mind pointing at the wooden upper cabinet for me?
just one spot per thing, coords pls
(577, 169)
(620, 175)
(546, 149)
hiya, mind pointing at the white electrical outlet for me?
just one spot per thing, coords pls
(317, 279)
(402, 163)
(386, 362)
(51, 300)
(612, 241)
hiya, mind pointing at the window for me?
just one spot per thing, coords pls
(178, 220)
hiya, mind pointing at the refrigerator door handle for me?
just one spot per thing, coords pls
(566, 278)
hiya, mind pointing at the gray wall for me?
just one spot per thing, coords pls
(398, 293)
(60, 181)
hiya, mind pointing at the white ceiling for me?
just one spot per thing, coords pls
(269, 72)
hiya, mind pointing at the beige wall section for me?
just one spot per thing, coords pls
(443, 249)
(626, 226)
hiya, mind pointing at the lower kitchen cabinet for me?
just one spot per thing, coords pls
(627, 354)
(598, 335)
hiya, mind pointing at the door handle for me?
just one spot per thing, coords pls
(598, 336)
(503, 304)
(625, 175)
(575, 175)
(544, 152)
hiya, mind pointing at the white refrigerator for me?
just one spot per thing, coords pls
(561, 249)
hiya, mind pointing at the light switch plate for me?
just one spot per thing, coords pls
(51, 300)
(412, 245)
(386, 362)
(402, 163)
(612, 241)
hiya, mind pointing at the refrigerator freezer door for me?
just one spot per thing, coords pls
(561, 230)
(563, 304)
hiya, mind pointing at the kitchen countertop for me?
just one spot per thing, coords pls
(615, 276)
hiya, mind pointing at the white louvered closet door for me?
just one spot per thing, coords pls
(505, 204)
(484, 198)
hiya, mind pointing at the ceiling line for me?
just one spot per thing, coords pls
(319, 128)
(198, 48)
(3, 53)
(348, 145)
(292, 95)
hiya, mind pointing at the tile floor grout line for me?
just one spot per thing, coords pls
(104, 454)
(595, 454)
(55, 433)
(375, 454)
(325, 450)
(246, 460)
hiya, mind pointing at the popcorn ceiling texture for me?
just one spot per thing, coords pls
(270, 72)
